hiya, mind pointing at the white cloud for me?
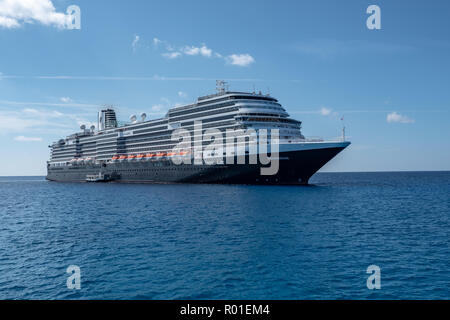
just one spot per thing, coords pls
(29, 121)
(171, 55)
(156, 41)
(191, 51)
(163, 105)
(241, 60)
(65, 99)
(206, 52)
(394, 117)
(194, 51)
(42, 114)
(15, 13)
(16, 122)
(325, 111)
(27, 139)
(157, 107)
(9, 22)
(135, 42)
(182, 94)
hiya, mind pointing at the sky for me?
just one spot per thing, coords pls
(318, 58)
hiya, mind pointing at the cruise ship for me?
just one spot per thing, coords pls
(149, 151)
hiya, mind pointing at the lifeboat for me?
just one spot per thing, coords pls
(122, 157)
(183, 153)
(160, 154)
(171, 154)
(131, 157)
(140, 157)
(115, 158)
(149, 156)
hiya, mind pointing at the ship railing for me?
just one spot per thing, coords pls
(314, 139)
(319, 139)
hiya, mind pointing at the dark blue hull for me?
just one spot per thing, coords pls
(295, 167)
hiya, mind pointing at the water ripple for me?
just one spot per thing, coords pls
(228, 242)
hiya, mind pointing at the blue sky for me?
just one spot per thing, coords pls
(317, 57)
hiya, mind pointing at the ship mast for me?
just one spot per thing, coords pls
(343, 129)
(221, 86)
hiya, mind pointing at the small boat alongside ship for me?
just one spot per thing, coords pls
(100, 177)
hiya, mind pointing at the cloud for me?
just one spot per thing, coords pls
(135, 42)
(16, 122)
(27, 139)
(30, 121)
(325, 111)
(171, 55)
(43, 114)
(242, 60)
(182, 94)
(65, 99)
(157, 107)
(172, 52)
(395, 117)
(156, 41)
(165, 104)
(15, 13)
(8, 22)
(189, 51)
(194, 51)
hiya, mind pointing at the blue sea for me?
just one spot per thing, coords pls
(177, 241)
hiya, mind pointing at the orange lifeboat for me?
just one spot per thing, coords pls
(122, 157)
(131, 157)
(140, 156)
(171, 154)
(114, 158)
(160, 154)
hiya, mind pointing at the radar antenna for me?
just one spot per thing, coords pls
(221, 86)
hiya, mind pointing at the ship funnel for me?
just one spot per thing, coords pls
(133, 118)
(143, 116)
(107, 119)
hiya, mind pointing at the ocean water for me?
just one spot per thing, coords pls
(228, 241)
